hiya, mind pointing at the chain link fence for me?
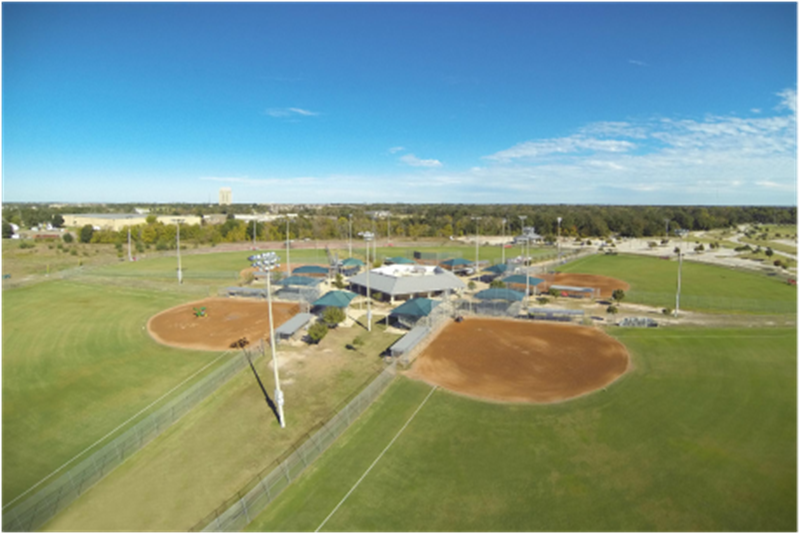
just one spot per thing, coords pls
(238, 512)
(32, 513)
(714, 304)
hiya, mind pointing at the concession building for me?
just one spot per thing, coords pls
(403, 282)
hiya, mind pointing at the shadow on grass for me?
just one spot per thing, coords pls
(270, 402)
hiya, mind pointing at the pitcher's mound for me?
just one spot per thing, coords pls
(519, 361)
(227, 320)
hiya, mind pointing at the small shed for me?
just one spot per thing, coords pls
(293, 325)
(337, 299)
(498, 270)
(350, 266)
(458, 265)
(405, 344)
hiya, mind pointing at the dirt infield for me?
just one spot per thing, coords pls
(606, 284)
(518, 361)
(227, 320)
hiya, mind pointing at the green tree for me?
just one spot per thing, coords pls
(68, 238)
(86, 234)
(769, 252)
(339, 282)
(612, 310)
(618, 295)
(553, 292)
(317, 331)
(151, 219)
(58, 221)
(471, 285)
(497, 283)
(333, 316)
(8, 230)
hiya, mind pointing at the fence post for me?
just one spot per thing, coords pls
(246, 513)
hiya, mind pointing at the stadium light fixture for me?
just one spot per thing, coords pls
(368, 236)
(268, 261)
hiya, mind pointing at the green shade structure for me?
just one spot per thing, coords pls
(310, 269)
(400, 260)
(352, 262)
(457, 262)
(499, 294)
(498, 269)
(339, 299)
(300, 281)
(520, 279)
(416, 307)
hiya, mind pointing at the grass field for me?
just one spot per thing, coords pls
(699, 436)
(213, 452)
(77, 362)
(704, 287)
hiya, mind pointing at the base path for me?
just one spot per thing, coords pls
(520, 361)
(605, 284)
(227, 320)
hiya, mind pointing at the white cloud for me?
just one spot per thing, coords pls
(563, 145)
(290, 112)
(414, 161)
(638, 63)
(396, 149)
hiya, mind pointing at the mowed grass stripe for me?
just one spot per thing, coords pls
(703, 287)
(77, 362)
(699, 435)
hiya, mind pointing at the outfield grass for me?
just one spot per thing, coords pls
(703, 287)
(77, 362)
(227, 440)
(699, 436)
(223, 269)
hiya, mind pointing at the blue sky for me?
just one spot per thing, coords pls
(620, 103)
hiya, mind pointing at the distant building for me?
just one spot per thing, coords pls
(118, 221)
(225, 196)
(528, 232)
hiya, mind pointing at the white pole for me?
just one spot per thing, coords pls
(278, 392)
(288, 261)
(559, 240)
(130, 256)
(680, 268)
(350, 238)
(503, 242)
(388, 230)
(180, 273)
(522, 231)
(369, 296)
(254, 232)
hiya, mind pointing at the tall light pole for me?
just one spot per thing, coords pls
(288, 261)
(268, 261)
(254, 230)
(350, 237)
(522, 231)
(368, 236)
(503, 242)
(388, 229)
(477, 241)
(374, 241)
(559, 240)
(681, 233)
(130, 256)
(666, 232)
(178, 237)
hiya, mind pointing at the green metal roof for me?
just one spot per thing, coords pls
(500, 268)
(417, 307)
(339, 299)
(400, 260)
(499, 294)
(310, 269)
(520, 279)
(455, 262)
(300, 281)
(352, 261)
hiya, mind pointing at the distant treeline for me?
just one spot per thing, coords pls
(411, 220)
